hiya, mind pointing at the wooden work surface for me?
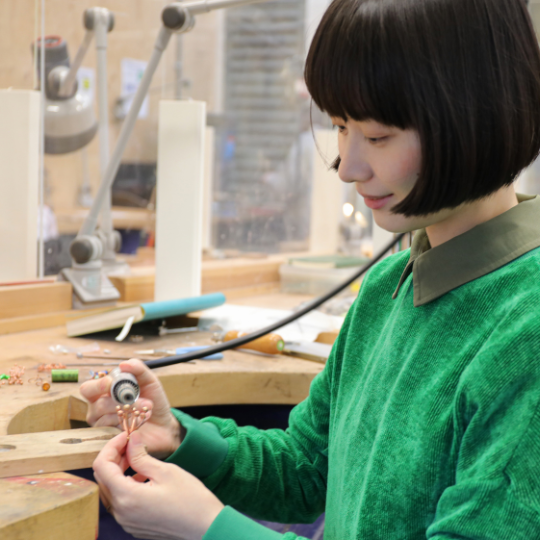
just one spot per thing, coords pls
(56, 506)
(69, 220)
(240, 378)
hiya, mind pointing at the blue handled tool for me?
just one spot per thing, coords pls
(182, 350)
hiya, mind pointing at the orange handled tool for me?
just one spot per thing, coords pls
(269, 344)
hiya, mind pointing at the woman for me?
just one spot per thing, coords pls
(424, 423)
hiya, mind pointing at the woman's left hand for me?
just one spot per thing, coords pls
(173, 505)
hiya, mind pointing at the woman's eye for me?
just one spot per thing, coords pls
(375, 140)
(341, 129)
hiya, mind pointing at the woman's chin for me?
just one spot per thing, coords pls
(392, 223)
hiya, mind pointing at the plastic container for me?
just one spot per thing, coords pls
(314, 281)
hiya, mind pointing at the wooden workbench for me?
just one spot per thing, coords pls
(37, 505)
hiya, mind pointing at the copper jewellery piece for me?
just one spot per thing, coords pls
(131, 418)
(48, 367)
(16, 375)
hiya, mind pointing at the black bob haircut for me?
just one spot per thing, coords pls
(465, 74)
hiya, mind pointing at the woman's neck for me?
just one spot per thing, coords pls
(472, 214)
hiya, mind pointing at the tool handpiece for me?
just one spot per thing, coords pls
(124, 388)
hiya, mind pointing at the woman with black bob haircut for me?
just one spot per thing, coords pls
(425, 422)
(464, 74)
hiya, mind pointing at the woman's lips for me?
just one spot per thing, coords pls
(375, 203)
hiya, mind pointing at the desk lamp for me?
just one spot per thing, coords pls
(90, 284)
(69, 124)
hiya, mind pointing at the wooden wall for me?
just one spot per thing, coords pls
(137, 25)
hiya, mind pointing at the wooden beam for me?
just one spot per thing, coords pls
(71, 219)
(51, 451)
(239, 277)
(34, 299)
(135, 288)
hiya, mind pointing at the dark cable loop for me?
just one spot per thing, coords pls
(234, 343)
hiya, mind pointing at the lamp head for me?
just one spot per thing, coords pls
(69, 120)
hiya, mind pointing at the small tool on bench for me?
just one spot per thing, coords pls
(163, 331)
(269, 344)
(308, 350)
(180, 350)
(274, 344)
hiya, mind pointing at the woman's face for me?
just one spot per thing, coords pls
(384, 162)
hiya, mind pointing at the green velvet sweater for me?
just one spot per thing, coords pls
(424, 424)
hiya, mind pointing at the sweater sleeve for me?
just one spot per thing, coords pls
(496, 495)
(231, 525)
(272, 474)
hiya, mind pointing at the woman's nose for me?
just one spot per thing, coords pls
(353, 168)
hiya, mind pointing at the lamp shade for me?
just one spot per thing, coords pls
(70, 124)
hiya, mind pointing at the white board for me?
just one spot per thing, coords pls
(208, 190)
(19, 181)
(179, 200)
(326, 195)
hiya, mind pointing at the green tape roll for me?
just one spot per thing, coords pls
(65, 375)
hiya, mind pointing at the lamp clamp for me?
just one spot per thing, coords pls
(177, 18)
(90, 247)
(92, 15)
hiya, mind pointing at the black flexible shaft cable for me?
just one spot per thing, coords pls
(310, 306)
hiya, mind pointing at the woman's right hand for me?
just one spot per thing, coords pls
(160, 433)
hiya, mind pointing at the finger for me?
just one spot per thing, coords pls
(120, 459)
(140, 478)
(94, 389)
(136, 367)
(111, 420)
(104, 495)
(143, 402)
(113, 451)
(148, 383)
(139, 532)
(139, 459)
(104, 405)
(110, 465)
(108, 420)
(123, 465)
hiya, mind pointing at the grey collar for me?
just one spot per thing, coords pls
(473, 254)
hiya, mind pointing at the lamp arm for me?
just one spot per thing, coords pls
(177, 17)
(90, 222)
(102, 20)
(92, 17)
(66, 88)
(205, 6)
